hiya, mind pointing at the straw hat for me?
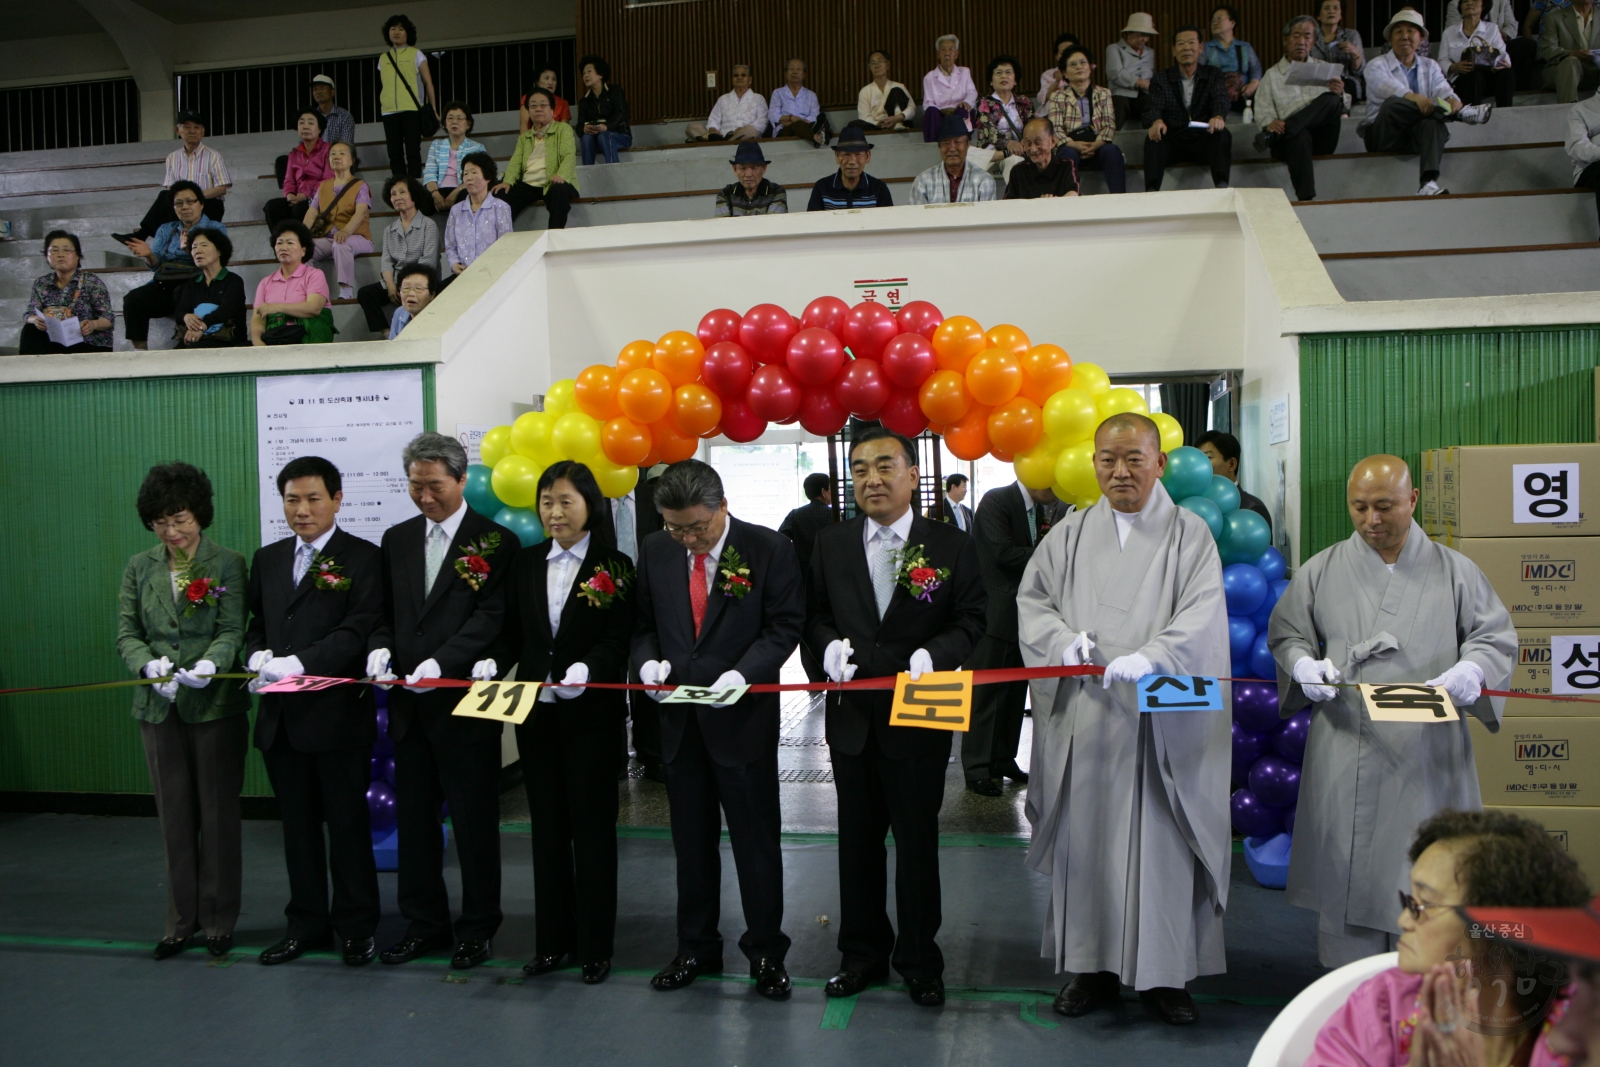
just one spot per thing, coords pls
(1409, 16)
(1140, 22)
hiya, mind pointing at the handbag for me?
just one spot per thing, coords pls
(1082, 133)
(319, 226)
(286, 330)
(430, 121)
(1234, 79)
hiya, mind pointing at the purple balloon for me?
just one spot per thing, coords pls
(1247, 748)
(1290, 739)
(383, 719)
(383, 746)
(1288, 819)
(388, 770)
(1255, 706)
(1245, 588)
(381, 804)
(1253, 818)
(1241, 636)
(375, 773)
(1275, 782)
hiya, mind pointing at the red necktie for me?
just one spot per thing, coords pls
(697, 590)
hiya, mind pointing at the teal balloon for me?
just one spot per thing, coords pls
(480, 492)
(1207, 509)
(523, 523)
(1223, 493)
(1188, 473)
(1245, 536)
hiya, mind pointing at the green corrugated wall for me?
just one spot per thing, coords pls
(1406, 392)
(72, 458)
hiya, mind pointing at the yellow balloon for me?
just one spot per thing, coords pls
(1036, 468)
(1075, 471)
(614, 481)
(561, 398)
(576, 436)
(1116, 401)
(1086, 502)
(516, 481)
(1171, 430)
(495, 446)
(1070, 416)
(1090, 377)
(530, 436)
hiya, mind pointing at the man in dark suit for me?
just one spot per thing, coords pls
(315, 598)
(864, 616)
(444, 595)
(1011, 521)
(720, 604)
(1188, 91)
(955, 512)
(1223, 450)
(634, 517)
(800, 526)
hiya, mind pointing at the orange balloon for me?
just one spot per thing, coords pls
(968, 437)
(937, 428)
(695, 409)
(993, 376)
(1046, 369)
(956, 340)
(1001, 454)
(625, 442)
(595, 392)
(1009, 338)
(635, 355)
(653, 456)
(1016, 425)
(944, 397)
(678, 355)
(672, 446)
(645, 395)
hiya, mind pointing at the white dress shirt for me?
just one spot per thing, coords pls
(316, 547)
(870, 102)
(563, 562)
(711, 561)
(900, 527)
(1455, 41)
(1500, 13)
(449, 526)
(733, 112)
(956, 515)
(1386, 77)
(1276, 99)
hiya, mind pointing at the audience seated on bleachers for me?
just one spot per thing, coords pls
(208, 309)
(751, 193)
(419, 284)
(1043, 174)
(441, 175)
(883, 104)
(544, 165)
(1583, 145)
(193, 162)
(1236, 59)
(167, 253)
(291, 303)
(338, 124)
(850, 186)
(602, 113)
(1299, 121)
(952, 180)
(411, 238)
(1002, 113)
(547, 78)
(1502, 13)
(1187, 92)
(66, 292)
(478, 220)
(1568, 38)
(1521, 47)
(1130, 66)
(1050, 77)
(947, 88)
(404, 83)
(740, 115)
(794, 110)
(1336, 44)
(337, 218)
(1084, 121)
(1475, 58)
(305, 168)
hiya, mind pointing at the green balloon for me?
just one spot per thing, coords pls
(524, 524)
(1207, 509)
(1188, 473)
(1223, 493)
(1245, 536)
(480, 493)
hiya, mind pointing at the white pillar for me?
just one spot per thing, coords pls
(146, 41)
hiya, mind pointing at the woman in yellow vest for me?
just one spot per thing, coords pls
(406, 83)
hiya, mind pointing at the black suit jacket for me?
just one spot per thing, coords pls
(647, 519)
(801, 525)
(328, 631)
(753, 635)
(1209, 100)
(452, 624)
(842, 606)
(1004, 548)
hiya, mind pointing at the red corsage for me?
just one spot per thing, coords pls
(471, 564)
(604, 587)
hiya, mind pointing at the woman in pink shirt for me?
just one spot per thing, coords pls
(291, 305)
(947, 87)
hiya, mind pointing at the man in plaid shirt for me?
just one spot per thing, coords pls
(193, 162)
(1185, 115)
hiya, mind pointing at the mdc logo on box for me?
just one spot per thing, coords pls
(1549, 570)
(1542, 751)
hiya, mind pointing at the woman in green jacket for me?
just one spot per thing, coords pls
(183, 620)
(544, 164)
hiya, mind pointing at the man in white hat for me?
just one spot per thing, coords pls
(1409, 101)
(341, 125)
(1130, 64)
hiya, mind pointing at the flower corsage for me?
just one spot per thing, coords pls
(735, 581)
(913, 574)
(605, 587)
(328, 574)
(472, 565)
(197, 592)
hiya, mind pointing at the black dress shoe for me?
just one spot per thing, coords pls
(358, 951)
(1174, 1006)
(849, 983)
(928, 992)
(1086, 992)
(410, 947)
(595, 973)
(986, 787)
(543, 964)
(471, 953)
(168, 947)
(683, 970)
(1016, 774)
(772, 980)
(292, 948)
(219, 945)
(655, 771)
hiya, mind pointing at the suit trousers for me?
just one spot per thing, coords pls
(1311, 131)
(468, 776)
(697, 786)
(645, 715)
(570, 773)
(557, 200)
(1568, 75)
(197, 769)
(1188, 146)
(989, 747)
(326, 787)
(1402, 127)
(876, 795)
(152, 300)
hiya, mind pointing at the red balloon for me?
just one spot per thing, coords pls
(740, 423)
(867, 328)
(919, 316)
(718, 326)
(765, 331)
(862, 388)
(820, 413)
(902, 413)
(773, 395)
(726, 369)
(909, 361)
(825, 313)
(814, 356)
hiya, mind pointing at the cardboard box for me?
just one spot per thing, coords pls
(1539, 761)
(1531, 674)
(1482, 495)
(1577, 830)
(1543, 581)
(1428, 493)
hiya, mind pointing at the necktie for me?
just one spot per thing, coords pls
(432, 557)
(625, 529)
(883, 570)
(302, 563)
(1033, 525)
(1038, 522)
(697, 590)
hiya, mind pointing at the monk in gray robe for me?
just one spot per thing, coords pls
(1129, 810)
(1388, 605)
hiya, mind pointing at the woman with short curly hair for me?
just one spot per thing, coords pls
(404, 83)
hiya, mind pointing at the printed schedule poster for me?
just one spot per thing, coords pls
(359, 422)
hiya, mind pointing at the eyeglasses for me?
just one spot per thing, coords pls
(413, 290)
(692, 530)
(175, 522)
(1418, 909)
(187, 201)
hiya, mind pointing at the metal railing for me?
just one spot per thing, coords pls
(69, 116)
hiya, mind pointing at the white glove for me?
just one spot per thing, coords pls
(572, 682)
(484, 670)
(654, 672)
(166, 690)
(729, 678)
(428, 668)
(198, 676)
(377, 663)
(1125, 669)
(158, 668)
(258, 660)
(836, 661)
(1077, 651)
(1308, 672)
(921, 663)
(280, 667)
(1464, 683)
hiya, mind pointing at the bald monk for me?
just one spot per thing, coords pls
(1387, 605)
(1129, 811)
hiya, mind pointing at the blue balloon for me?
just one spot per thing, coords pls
(523, 523)
(1241, 669)
(1273, 565)
(1244, 588)
(1263, 614)
(1188, 472)
(1261, 658)
(1223, 493)
(1206, 510)
(1255, 706)
(1290, 739)
(1275, 781)
(479, 492)
(1253, 818)
(1245, 536)
(1241, 636)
